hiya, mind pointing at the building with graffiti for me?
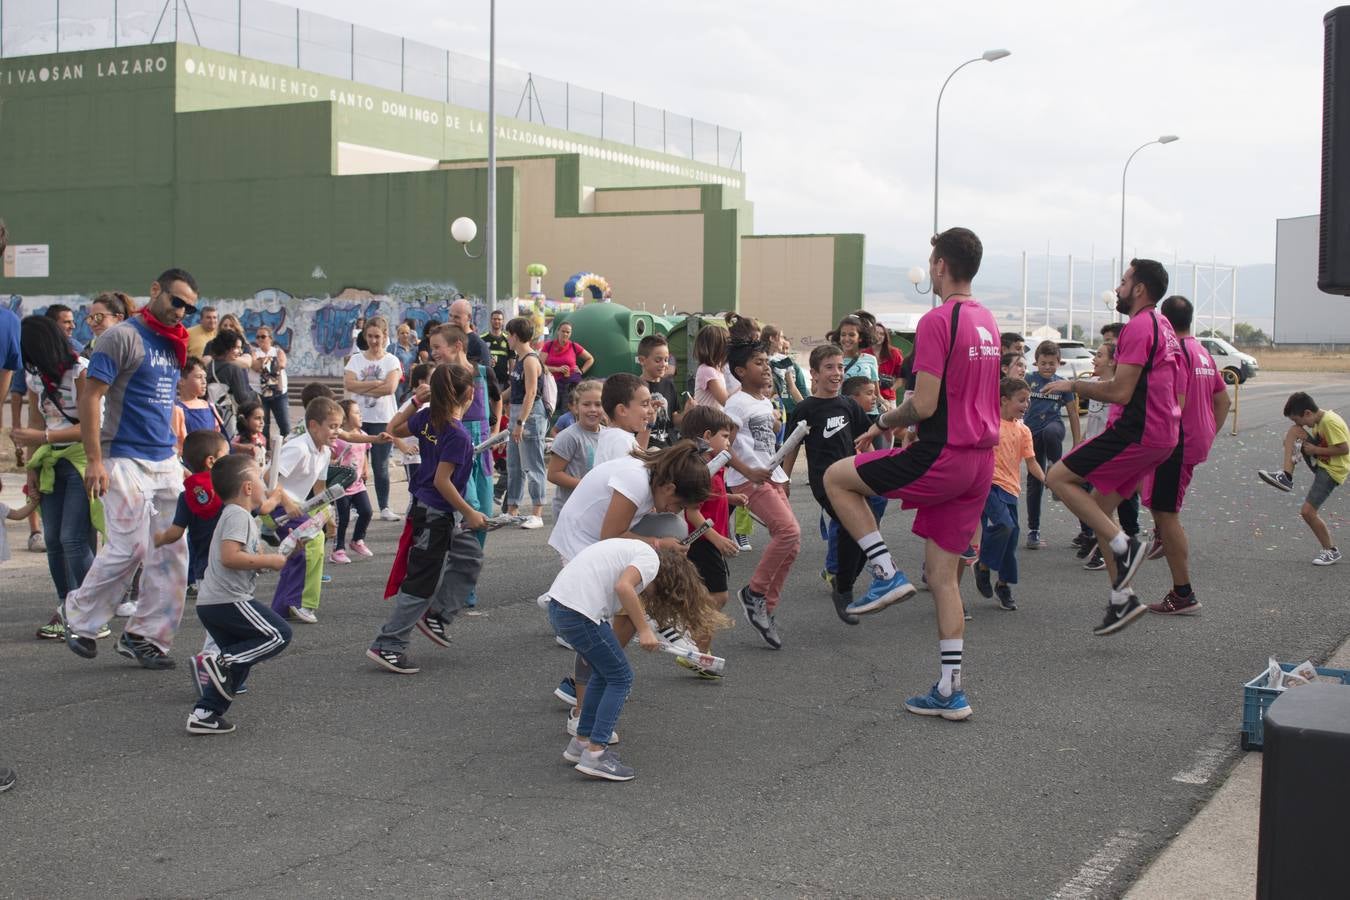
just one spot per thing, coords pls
(309, 180)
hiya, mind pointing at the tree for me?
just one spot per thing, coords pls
(1213, 333)
(1075, 335)
(1245, 335)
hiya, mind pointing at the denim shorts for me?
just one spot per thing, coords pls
(1322, 486)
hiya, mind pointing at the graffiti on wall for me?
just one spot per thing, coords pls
(316, 332)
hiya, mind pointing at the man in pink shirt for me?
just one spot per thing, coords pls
(1205, 407)
(946, 473)
(1142, 431)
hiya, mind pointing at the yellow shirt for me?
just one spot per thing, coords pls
(1331, 431)
(198, 338)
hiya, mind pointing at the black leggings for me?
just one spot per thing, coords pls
(361, 501)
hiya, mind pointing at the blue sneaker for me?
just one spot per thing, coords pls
(882, 593)
(567, 691)
(325, 579)
(953, 708)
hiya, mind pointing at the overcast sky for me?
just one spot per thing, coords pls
(836, 104)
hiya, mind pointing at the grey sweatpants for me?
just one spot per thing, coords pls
(458, 576)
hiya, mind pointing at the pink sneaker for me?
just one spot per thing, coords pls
(360, 548)
(339, 557)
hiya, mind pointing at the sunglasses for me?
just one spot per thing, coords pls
(97, 318)
(179, 303)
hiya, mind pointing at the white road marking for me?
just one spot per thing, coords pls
(1097, 870)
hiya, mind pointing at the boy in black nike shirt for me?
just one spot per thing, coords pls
(835, 422)
(654, 356)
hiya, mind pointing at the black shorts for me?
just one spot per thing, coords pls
(711, 565)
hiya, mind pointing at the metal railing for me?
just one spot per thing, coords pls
(273, 32)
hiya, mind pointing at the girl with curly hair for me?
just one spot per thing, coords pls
(598, 602)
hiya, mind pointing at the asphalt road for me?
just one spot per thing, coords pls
(798, 775)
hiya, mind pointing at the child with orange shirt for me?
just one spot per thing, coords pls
(998, 540)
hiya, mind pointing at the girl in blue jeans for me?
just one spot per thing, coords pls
(630, 580)
(57, 461)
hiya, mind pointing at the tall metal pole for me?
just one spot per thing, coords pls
(1068, 330)
(490, 246)
(989, 56)
(1024, 293)
(1092, 295)
(1165, 139)
(1047, 284)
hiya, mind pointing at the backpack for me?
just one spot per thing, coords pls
(548, 388)
(223, 402)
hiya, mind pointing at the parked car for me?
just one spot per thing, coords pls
(1235, 365)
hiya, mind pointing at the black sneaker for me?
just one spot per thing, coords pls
(753, 606)
(1005, 600)
(1117, 617)
(214, 723)
(841, 602)
(1095, 562)
(142, 651)
(1279, 480)
(1127, 563)
(982, 581)
(743, 543)
(398, 663)
(219, 675)
(81, 646)
(7, 778)
(435, 627)
(1084, 544)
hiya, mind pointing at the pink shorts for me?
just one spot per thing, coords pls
(1114, 464)
(948, 487)
(1165, 487)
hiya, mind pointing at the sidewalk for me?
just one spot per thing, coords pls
(1215, 854)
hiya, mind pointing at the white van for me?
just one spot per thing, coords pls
(1235, 365)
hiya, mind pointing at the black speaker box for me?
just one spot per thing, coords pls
(1333, 259)
(1305, 792)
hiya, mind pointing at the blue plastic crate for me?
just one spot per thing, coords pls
(1256, 699)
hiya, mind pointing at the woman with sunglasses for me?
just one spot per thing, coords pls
(106, 310)
(267, 377)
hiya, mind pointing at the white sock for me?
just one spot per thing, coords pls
(1119, 542)
(950, 651)
(1120, 598)
(878, 556)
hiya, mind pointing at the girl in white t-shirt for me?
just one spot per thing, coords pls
(372, 378)
(597, 604)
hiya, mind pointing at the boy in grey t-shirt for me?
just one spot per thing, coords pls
(247, 631)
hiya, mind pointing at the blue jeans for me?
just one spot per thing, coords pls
(611, 675)
(998, 537)
(1048, 445)
(66, 527)
(276, 408)
(525, 460)
(379, 462)
(829, 532)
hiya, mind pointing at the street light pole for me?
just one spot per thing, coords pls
(1165, 139)
(987, 56)
(490, 245)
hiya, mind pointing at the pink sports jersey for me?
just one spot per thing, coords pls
(1151, 415)
(968, 414)
(1197, 418)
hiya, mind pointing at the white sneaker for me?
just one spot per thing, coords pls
(388, 515)
(532, 522)
(125, 610)
(557, 639)
(36, 543)
(680, 640)
(304, 615)
(1327, 557)
(572, 728)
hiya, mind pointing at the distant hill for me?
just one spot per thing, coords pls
(887, 289)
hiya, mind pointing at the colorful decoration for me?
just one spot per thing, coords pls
(578, 284)
(536, 272)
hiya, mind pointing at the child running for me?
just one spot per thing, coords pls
(765, 489)
(711, 429)
(998, 540)
(573, 452)
(302, 468)
(357, 456)
(1320, 436)
(246, 631)
(628, 407)
(437, 546)
(597, 603)
(1047, 431)
(835, 422)
(614, 497)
